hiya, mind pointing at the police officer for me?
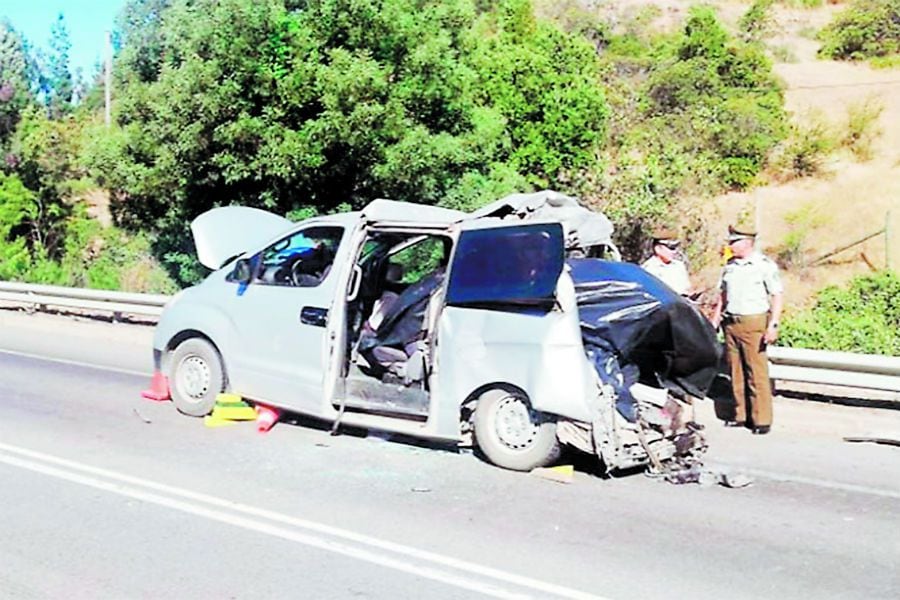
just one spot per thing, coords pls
(666, 263)
(749, 307)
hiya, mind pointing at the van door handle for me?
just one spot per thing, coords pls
(313, 315)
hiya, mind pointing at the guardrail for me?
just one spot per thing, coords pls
(117, 303)
(845, 369)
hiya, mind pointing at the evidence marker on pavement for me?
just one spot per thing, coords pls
(231, 408)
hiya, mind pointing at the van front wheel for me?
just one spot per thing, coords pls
(196, 377)
(513, 435)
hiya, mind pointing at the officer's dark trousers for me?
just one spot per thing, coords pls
(749, 365)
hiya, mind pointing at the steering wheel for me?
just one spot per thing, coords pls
(301, 279)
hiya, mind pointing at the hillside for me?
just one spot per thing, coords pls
(850, 199)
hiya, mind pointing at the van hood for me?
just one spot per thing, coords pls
(225, 232)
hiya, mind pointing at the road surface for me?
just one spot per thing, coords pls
(110, 496)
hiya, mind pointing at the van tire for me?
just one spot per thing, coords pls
(196, 377)
(511, 434)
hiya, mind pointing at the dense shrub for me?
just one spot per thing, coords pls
(863, 317)
(866, 29)
(89, 255)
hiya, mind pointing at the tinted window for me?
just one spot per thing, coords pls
(508, 265)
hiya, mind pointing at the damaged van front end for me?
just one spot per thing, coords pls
(653, 355)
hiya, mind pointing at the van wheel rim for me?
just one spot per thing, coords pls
(514, 423)
(193, 378)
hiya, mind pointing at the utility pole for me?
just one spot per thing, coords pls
(887, 241)
(107, 79)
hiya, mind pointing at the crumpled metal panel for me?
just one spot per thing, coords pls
(583, 227)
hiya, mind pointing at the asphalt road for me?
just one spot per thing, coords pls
(106, 495)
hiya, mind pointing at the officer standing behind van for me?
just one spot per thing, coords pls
(749, 308)
(666, 264)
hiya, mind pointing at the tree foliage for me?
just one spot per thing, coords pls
(57, 82)
(693, 113)
(15, 90)
(262, 104)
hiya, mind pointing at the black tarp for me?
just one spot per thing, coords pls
(635, 327)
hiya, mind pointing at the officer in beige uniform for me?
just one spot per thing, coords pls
(666, 264)
(749, 308)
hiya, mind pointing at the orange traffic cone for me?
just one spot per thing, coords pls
(266, 417)
(159, 387)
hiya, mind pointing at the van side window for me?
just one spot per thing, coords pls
(303, 259)
(420, 259)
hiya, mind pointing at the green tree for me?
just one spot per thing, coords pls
(14, 85)
(16, 206)
(863, 316)
(139, 37)
(58, 83)
(545, 85)
(46, 153)
(266, 104)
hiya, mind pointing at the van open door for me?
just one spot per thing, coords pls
(507, 265)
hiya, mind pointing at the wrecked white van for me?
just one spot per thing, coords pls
(498, 328)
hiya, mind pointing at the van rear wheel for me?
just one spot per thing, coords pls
(513, 435)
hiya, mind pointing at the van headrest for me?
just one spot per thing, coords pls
(393, 273)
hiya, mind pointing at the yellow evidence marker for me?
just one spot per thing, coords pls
(230, 407)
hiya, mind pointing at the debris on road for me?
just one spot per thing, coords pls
(420, 489)
(141, 417)
(735, 480)
(560, 474)
(703, 476)
(893, 440)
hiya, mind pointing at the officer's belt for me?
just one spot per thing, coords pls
(744, 318)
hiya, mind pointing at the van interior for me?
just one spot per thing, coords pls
(391, 320)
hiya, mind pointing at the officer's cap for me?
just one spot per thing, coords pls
(664, 234)
(741, 232)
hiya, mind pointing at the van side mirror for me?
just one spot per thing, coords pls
(243, 271)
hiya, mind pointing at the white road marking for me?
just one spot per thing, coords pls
(76, 363)
(436, 567)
